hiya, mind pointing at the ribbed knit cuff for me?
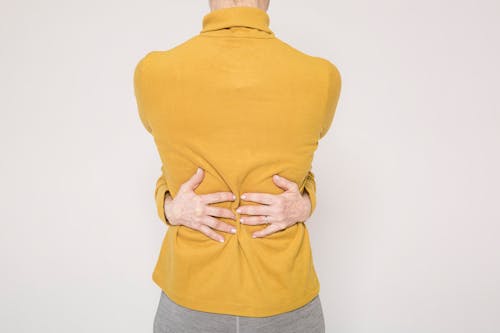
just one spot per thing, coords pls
(310, 188)
(160, 194)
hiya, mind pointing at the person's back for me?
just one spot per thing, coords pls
(243, 105)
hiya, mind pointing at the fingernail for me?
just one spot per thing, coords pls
(221, 240)
(234, 197)
(198, 170)
(233, 230)
(238, 210)
(276, 176)
(254, 236)
(243, 196)
(241, 220)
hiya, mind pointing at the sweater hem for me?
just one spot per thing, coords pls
(236, 309)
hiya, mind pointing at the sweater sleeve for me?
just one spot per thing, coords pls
(333, 93)
(142, 91)
(161, 191)
(145, 100)
(310, 188)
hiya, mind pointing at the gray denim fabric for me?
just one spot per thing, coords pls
(173, 318)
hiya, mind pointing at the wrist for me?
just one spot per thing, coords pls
(306, 200)
(167, 208)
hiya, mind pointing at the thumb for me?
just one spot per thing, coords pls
(195, 179)
(283, 182)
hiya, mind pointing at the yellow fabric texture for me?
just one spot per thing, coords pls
(243, 105)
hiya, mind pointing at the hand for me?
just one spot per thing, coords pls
(194, 211)
(282, 210)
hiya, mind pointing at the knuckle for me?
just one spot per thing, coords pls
(199, 210)
(217, 225)
(206, 230)
(216, 236)
(199, 218)
(211, 235)
(221, 211)
(197, 199)
(202, 198)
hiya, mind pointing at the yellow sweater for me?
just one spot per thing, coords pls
(243, 105)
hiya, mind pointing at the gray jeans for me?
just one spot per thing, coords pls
(173, 318)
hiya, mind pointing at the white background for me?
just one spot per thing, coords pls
(406, 232)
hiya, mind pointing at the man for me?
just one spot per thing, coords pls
(236, 115)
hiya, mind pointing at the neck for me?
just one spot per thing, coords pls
(218, 4)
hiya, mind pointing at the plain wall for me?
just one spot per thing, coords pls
(406, 232)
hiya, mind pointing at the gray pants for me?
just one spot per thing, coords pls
(173, 318)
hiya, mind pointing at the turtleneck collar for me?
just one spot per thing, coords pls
(252, 17)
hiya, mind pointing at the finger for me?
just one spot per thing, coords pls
(255, 220)
(217, 197)
(262, 198)
(220, 212)
(284, 183)
(195, 180)
(255, 210)
(216, 224)
(211, 234)
(272, 228)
